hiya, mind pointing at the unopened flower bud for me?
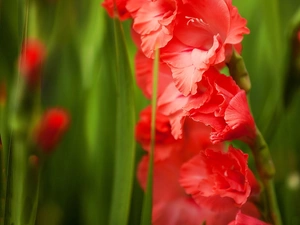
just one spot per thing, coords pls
(31, 60)
(51, 128)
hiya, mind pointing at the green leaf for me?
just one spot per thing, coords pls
(101, 134)
(125, 143)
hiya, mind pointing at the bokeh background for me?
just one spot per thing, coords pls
(82, 181)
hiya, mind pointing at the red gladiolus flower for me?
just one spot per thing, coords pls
(31, 61)
(195, 138)
(165, 144)
(216, 179)
(224, 107)
(144, 71)
(204, 36)
(121, 13)
(50, 129)
(170, 203)
(154, 21)
(242, 219)
(219, 103)
(171, 100)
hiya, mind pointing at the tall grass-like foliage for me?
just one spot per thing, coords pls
(70, 102)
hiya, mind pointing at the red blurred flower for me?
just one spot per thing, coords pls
(33, 161)
(122, 13)
(31, 60)
(51, 127)
(242, 219)
(217, 180)
(3, 93)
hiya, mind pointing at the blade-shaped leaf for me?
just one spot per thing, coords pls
(125, 143)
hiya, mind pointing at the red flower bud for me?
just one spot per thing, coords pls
(31, 61)
(52, 126)
(2, 93)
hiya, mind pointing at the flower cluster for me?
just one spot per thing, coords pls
(197, 178)
(194, 179)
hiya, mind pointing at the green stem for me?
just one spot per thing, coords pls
(259, 147)
(266, 170)
(147, 204)
(273, 211)
(262, 157)
(2, 159)
(2, 186)
(23, 178)
(19, 170)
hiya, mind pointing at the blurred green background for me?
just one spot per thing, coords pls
(81, 73)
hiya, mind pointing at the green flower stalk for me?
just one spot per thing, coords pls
(23, 176)
(259, 147)
(147, 204)
(2, 151)
(266, 170)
